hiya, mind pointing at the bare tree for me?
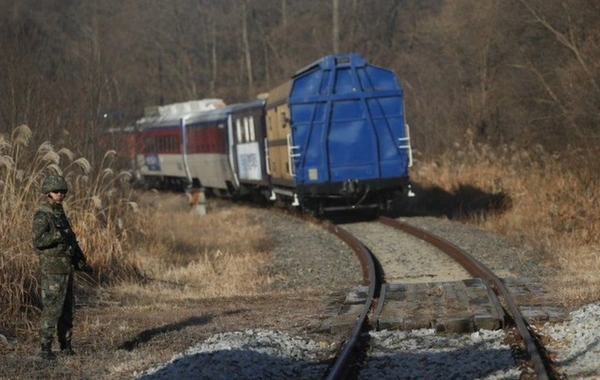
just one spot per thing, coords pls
(336, 27)
(567, 39)
(215, 72)
(514, 71)
(284, 12)
(246, 47)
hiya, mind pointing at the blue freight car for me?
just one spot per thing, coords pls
(337, 136)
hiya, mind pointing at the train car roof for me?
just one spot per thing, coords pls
(330, 61)
(225, 111)
(279, 94)
(197, 116)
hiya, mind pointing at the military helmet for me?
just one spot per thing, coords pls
(54, 183)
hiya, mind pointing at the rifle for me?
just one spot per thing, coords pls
(77, 256)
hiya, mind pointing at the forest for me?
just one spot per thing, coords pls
(511, 73)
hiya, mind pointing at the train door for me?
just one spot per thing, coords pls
(247, 136)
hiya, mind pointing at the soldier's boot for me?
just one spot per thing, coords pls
(46, 352)
(66, 348)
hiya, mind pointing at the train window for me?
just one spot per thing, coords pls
(172, 144)
(238, 127)
(246, 130)
(252, 134)
(149, 144)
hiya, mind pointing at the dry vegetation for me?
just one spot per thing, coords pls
(98, 204)
(156, 265)
(552, 208)
(144, 248)
(187, 256)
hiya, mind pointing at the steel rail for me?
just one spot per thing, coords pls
(477, 269)
(341, 367)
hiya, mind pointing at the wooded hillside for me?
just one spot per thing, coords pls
(522, 72)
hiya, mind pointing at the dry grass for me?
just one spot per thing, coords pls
(156, 248)
(98, 203)
(189, 256)
(554, 208)
(153, 248)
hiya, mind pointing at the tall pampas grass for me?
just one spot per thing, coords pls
(98, 203)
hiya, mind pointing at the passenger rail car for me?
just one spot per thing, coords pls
(332, 137)
(163, 144)
(214, 149)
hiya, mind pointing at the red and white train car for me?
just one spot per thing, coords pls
(217, 147)
(160, 154)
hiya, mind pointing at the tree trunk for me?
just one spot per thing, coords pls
(283, 13)
(213, 82)
(246, 47)
(336, 27)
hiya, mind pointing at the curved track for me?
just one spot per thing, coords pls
(342, 366)
(352, 348)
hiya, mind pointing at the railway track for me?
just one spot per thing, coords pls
(377, 291)
(361, 356)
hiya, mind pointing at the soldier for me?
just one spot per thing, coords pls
(59, 255)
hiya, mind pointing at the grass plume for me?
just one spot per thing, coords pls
(101, 231)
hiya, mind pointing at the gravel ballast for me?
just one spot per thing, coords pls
(418, 354)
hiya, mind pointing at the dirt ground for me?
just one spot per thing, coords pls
(118, 332)
(114, 337)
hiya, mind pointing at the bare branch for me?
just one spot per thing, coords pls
(569, 41)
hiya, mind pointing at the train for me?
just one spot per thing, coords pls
(332, 137)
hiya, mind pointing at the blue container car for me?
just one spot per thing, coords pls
(348, 142)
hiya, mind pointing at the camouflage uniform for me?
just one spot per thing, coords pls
(51, 232)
